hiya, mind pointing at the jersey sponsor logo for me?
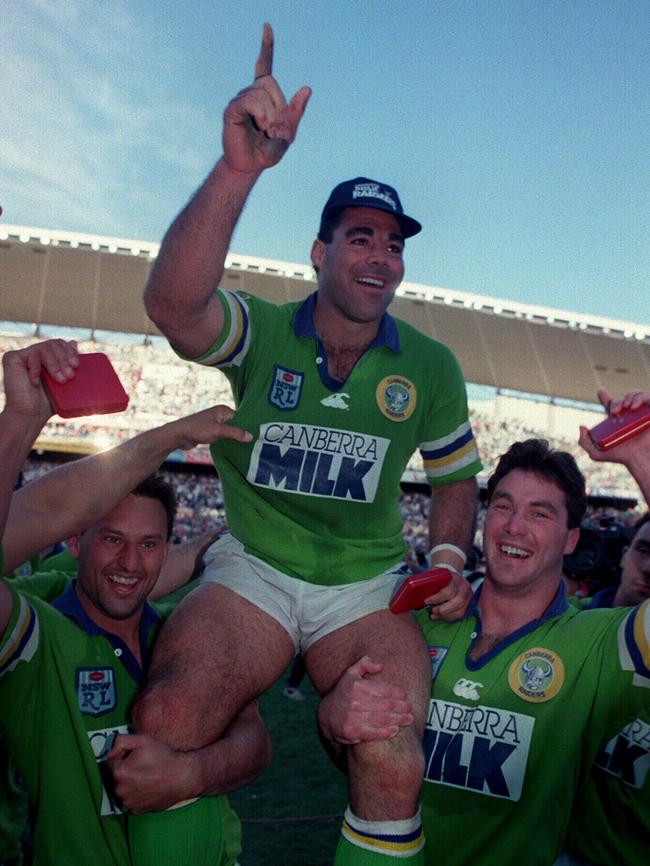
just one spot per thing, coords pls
(437, 655)
(286, 388)
(336, 401)
(96, 691)
(627, 755)
(464, 688)
(101, 742)
(396, 397)
(536, 675)
(480, 749)
(318, 461)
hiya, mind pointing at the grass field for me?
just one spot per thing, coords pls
(287, 813)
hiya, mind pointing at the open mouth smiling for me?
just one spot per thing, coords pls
(375, 282)
(120, 580)
(516, 552)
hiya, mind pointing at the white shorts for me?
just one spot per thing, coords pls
(306, 611)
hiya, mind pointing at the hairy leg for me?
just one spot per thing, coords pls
(385, 777)
(216, 653)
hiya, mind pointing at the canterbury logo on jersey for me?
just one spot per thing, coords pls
(481, 749)
(627, 755)
(318, 461)
(464, 688)
(336, 401)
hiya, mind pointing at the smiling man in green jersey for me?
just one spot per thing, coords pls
(70, 671)
(525, 689)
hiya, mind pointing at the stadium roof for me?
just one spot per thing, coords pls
(86, 281)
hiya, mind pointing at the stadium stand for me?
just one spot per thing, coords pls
(54, 280)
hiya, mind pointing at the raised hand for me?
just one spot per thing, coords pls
(22, 368)
(259, 124)
(451, 602)
(624, 452)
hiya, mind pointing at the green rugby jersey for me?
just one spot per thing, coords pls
(316, 493)
(511, 737)
(14, 812)
(67, 689)
(611, 815)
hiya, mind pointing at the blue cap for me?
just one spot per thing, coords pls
(363, 192)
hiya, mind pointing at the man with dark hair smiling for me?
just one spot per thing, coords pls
(525, 688)
(338, 395)
(70, 671)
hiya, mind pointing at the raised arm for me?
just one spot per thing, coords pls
(27, 408)
(149, 776)
(259, 125)
(25, 412)
(634, 454)
(75, 496)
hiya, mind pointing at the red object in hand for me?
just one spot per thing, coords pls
(618, 428)
(417, 587)
(95, 389)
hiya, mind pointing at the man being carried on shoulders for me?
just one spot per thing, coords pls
(338, 395)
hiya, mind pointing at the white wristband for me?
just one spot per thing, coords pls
(445, 565)
(452, 547)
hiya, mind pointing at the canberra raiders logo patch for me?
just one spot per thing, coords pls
(396, 397)
(536, 675)
(286, 388)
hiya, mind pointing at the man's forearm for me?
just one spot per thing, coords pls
(73, 497)
(189, 266)
(237, 758)
(452, 512)
(182, 564)
(18, 433)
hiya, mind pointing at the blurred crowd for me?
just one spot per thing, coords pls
(161, 386)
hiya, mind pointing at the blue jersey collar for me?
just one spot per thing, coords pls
(557, 607)
(603, 598)
(69, 605)
(303, 325)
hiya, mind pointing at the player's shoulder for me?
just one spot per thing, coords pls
(257, 304)
(592, 633)
(47, 585)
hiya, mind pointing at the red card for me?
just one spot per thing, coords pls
(417, 587)
(95, 389)
(617, 428)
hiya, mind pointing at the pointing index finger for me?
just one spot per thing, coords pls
(264, 63)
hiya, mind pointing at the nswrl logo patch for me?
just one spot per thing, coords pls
(286, 388)
(96, 691)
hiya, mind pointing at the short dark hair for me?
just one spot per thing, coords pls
(331, 222)
(155, 487)
(559, 467)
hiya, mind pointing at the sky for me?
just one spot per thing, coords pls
(516, 131)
